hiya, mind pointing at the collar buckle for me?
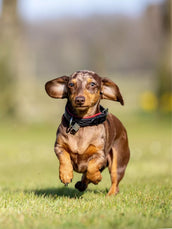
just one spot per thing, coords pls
(73, 128)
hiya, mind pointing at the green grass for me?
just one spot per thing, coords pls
(31, 195)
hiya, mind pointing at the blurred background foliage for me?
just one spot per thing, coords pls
(133, 50)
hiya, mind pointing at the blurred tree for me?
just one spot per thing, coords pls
(7, 82)
(7, 85)
(15, 66)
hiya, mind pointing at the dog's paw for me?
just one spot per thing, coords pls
(80, 186)
(113, 191)
(66, 178)
(95, 177)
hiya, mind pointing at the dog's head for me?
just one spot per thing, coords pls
(83, 89)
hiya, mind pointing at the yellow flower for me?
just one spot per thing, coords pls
(149, 101)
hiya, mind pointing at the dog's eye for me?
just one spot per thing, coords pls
(71, 84)
(92, 84)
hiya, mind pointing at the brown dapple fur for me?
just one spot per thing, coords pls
(91, 148)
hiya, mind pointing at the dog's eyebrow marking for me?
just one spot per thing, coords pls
(72, 81)
(89, 80)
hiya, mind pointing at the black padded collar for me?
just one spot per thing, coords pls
(75, 122)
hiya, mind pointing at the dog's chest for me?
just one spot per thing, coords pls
(87, 140)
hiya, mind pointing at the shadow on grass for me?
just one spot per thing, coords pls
(58, 192)
(63, 192)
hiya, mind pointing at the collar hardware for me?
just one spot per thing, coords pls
(73, 128)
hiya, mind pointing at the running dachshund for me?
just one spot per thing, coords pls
(89, 139)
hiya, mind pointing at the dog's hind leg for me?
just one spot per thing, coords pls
(118, 160)
(113, 172)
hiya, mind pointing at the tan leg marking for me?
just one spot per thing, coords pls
(113, 172)
(93, 174)
(65, 168)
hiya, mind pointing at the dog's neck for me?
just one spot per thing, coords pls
(83, 113)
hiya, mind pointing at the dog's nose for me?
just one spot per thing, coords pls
(79, 100)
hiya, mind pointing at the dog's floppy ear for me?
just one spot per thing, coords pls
(57, 88)
(111, 91)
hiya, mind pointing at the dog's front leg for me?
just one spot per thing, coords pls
(93, 170)
(65, 167)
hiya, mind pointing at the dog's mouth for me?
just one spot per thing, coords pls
(81, 106)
